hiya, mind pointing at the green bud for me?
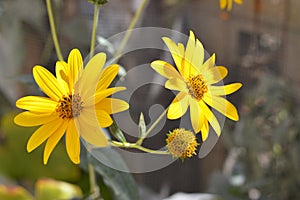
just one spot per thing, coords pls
(98, 2)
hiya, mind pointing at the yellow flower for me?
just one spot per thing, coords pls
(181, 143)
(76, 105)
(195, 83)
(228, 4)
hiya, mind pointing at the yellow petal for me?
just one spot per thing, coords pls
(197, 117)
(48, 83)
(224, 90)
(34, 119)
(229, 5)
(37, 104)
(222, 105)
(178, 106)
(112, 105)
(61, 70)
(75, 66)
(73, 143)
(53, 140)
(107, 76)
(223, 4)
(90, 76)
(177, 52)
(89, 129)
(42, 134)
(92, 100)
(176, 84)
(95, 137)
(165, 69)
(238, 1)
(204, 130)
(215, 74)
(198, 54)
(189, 54)
(181, 49)
(209, 63)
(210, 117)
(104, 119)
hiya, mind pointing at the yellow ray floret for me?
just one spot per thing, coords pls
(195, 79)
(76, 105)
(227, 4)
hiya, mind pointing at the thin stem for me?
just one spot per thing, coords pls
(137, 146)
(94, 30)
(92, 177)
(94, 189)
(53, 31)
(130, 27)
(140, 141)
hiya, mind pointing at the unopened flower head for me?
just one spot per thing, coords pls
(181, 143)
(77, 104)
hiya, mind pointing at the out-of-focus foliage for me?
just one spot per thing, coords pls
(14, 193)
(14, 16)
(49, 189)
(45, 189)
(17, 164)
(263, 161)
(121, 184)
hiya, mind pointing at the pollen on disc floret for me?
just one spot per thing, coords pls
(181, 143)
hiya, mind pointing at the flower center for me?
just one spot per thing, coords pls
(69, 106)
(197, 86)
(181, 143)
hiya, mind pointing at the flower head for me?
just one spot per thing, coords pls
(228, 4)
(181, 143)
(77, 105)
(195, 82)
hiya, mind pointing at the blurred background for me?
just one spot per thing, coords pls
(259, 41)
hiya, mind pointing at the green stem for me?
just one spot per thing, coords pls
(140, 141)
(137, 146)
(130, 27)
(94, 190)
(94, 30)
(53, 31)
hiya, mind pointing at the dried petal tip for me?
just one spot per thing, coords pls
(181, 143)
(98, 2)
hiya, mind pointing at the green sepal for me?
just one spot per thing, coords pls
(117, 133)
(142, 126)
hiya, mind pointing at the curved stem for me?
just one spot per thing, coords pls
(140, 141)
(53, 31)
(137, 146)
(94, 30)
(131, 26)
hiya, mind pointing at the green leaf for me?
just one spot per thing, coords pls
(117, 133)
(13, 152)
(121, 183)
(142, 126)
